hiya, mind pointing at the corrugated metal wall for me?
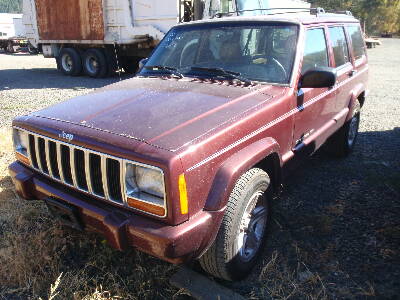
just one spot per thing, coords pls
(70, 19)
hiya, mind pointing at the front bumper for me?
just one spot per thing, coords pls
(121, 228)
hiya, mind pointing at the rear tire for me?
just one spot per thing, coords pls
(95, 63)
(243, 229)
(69, 62)
(342, 142)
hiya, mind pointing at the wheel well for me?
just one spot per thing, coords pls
(361, 99)
(271, 165)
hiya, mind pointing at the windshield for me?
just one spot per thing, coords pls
(255, 51)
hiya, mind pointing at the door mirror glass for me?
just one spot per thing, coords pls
(320, 77)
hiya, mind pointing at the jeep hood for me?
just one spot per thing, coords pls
(166, 113)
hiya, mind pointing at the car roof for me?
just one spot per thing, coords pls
(295, 18)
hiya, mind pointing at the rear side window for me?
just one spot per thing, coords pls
(339, 45)
(315, 52)
(357, 41)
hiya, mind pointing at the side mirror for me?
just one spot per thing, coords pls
(318, 77)
(142, 62)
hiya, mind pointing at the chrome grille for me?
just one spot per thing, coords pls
(52, 158)
(96, 174)
(84, 169)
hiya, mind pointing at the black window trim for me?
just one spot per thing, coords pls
(328, 54)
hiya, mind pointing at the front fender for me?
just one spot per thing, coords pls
(234, 167)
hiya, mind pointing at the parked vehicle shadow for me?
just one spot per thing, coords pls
(18, 52)
(38, 78)
(335, 227)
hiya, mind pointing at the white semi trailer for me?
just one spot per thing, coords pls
(12, 32)
(100, 36)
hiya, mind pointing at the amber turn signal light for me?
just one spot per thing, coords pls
(183, 195)
(22, 158)
(146, 207)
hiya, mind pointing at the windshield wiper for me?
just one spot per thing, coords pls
(223, 73)
(171, 70)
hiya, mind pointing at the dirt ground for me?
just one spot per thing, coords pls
(335, 231)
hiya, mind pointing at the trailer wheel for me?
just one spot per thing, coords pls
(70, 62)
(95, 63)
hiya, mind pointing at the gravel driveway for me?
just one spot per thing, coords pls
(336, 227)
(31, 82)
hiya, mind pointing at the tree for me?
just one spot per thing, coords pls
(10, 6)
(379, 15)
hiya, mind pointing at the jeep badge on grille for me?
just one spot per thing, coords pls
(66, 136)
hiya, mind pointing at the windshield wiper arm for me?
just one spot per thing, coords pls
(224, 73)
(171, 70)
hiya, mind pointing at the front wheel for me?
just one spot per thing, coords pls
(241, 235)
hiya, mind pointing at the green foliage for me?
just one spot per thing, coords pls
(379, 15)
(11, 6)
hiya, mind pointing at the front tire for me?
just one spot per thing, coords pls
(241, 235)
(69, 62)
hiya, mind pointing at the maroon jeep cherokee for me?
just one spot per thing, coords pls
(179, 161)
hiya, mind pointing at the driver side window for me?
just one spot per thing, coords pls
(316, 50)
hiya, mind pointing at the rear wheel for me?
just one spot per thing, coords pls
(95, 63)
(69, 62)
(342, 142)
(241, 235)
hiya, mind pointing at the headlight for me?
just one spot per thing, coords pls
(145, 188)
(20, 142)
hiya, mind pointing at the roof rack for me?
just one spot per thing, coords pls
(342, 12)
(284, 10)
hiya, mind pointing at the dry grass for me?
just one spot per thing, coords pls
(279, 281)
(35, 250)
